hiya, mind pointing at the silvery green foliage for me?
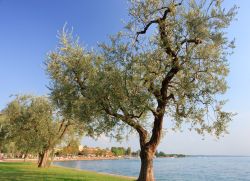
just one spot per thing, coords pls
(30, 124)
(195, 33)
(72, 70)
(171, 57)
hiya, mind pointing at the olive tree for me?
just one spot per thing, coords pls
(170, 61)
(34, 126)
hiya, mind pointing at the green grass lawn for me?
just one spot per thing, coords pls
(29, 172)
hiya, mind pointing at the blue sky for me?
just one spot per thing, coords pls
(28, 32)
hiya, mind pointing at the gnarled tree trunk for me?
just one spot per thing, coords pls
(43, 158)
(148, 148)
(146, 172)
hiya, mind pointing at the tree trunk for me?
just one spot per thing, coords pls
(146, 172)
(43, 159)
(148, 149)
(25, 156)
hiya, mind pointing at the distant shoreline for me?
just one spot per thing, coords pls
(56, 159)
(87, 158)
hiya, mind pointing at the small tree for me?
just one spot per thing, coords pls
(34, 127)
(177, 71)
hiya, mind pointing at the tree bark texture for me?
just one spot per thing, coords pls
(43, 159)
(148, 150)
(146, 172)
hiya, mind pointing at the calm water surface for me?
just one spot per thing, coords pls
(175, 169)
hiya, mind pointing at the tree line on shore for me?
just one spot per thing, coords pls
(74, 150)
(98, 152)
(132, 83)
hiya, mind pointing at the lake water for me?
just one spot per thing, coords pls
(175, 169)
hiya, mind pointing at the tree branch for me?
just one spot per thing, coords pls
(128, 120)
(167, 79)
(145, 28)
(156, 21)
(64, 130)
(171, 96)
(154, 91)
(61, 125)
(79, 82)
(195, 41)
(136, 116)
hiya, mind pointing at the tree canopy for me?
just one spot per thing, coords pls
(33, 124)
(29, 122)
(171, 60)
